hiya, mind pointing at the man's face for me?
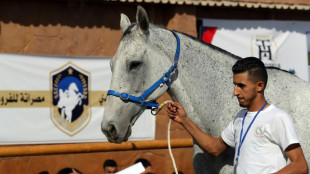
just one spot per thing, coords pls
(109, 170)
(245, 90)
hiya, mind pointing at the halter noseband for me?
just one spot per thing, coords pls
(165, 79)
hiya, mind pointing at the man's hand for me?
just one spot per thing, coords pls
(214, 146)
(176, 112)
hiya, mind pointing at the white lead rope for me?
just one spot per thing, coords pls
(169, 148)
(155, 112)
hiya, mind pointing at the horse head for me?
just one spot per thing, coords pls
(135, 67)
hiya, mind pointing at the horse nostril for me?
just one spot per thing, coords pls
(111, 130)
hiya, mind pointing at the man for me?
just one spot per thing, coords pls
(109, 167)
(263, 136)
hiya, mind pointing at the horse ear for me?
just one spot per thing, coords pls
(125, 22)
(142, 19)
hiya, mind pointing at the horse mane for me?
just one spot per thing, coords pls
(225, 51)
(212, 46)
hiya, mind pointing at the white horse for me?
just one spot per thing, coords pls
(202, 83)
(68, 100)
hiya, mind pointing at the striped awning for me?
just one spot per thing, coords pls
(253, 4)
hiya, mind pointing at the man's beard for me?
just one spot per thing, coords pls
(242, 105)
(247, 102)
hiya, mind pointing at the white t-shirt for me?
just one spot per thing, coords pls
(263, 148)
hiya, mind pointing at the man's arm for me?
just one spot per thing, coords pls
(298, 163)
(212, 145)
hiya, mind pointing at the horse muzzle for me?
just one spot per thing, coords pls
(112, 133)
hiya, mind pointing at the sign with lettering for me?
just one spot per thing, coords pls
(281, 44)
(57, 100)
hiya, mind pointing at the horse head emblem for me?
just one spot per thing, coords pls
(68, 100)
(134, 70)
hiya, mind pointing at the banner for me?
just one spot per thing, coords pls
(282, 44)
(45, 99)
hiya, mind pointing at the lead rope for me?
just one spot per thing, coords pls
(169, 148)
(155, 112)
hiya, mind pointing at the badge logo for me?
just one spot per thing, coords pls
(70, 110)
(260, 131)
(265, 48)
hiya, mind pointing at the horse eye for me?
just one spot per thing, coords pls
(134, 65)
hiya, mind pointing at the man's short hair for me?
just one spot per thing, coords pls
(144, 162)
(255, 67)
(109, 163)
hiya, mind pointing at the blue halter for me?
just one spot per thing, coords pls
(165, 79)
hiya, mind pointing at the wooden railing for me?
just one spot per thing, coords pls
(53, 149)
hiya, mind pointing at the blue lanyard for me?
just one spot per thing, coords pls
(242, 138)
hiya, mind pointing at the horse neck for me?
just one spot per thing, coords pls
(202, 71)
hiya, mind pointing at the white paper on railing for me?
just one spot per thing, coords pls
(35, 107)
(277, 43)
(134, 169)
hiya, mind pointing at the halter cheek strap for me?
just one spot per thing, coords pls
(163, 80)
